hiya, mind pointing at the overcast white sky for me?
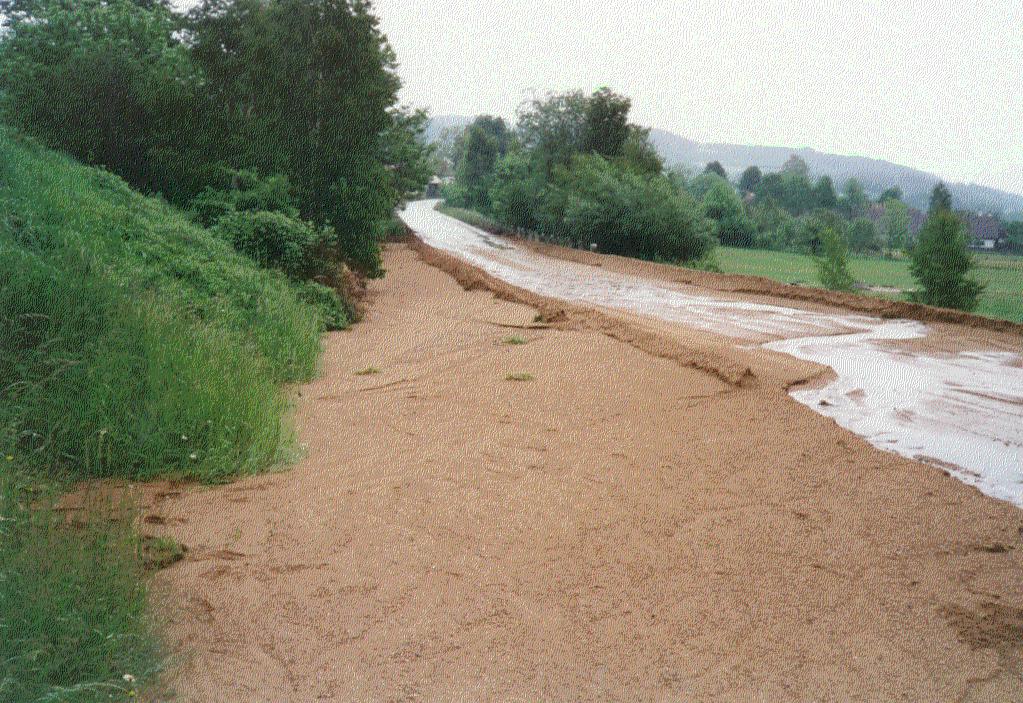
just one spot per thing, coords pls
(937, 85)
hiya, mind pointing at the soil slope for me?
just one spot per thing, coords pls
(649, 518)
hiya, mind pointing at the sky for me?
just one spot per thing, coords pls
(936, 85)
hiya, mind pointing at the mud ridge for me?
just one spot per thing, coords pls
(566, 316)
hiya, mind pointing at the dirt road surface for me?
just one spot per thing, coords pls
(650, 517)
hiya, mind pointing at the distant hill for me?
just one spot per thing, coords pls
(875, 174)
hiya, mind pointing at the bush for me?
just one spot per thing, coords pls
(243, 191)
(275, 241)
(941, 262)
(833, 264)
(630, 214)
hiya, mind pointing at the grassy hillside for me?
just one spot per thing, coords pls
(133, 344)
(1002, 275)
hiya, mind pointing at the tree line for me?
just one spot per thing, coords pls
(574, 170)
(287, 106)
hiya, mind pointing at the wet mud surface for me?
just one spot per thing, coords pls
(961, 410)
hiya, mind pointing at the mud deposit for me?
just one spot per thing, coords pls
(638, 522)
(961, 411)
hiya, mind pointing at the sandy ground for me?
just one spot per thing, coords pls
(650, 518)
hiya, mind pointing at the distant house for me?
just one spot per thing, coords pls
(433, 188)
(986, 230)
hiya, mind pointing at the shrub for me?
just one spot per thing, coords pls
(941, 262)
(833, 263)
(275, 241)
(243, 191)
(630, 214)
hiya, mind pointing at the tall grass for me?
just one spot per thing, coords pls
(73, 618)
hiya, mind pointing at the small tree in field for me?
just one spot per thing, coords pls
(833, 263)
(941, 262)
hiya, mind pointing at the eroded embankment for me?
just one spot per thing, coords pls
(947, 394)
(713, 359)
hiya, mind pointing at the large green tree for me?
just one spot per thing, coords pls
(306, 88)
(941, 262)
(105, 81)
(895, 224)
(607, 123)
(750, 179)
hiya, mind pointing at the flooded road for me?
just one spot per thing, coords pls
(962, 411)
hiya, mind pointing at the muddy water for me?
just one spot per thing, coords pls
(961, 411)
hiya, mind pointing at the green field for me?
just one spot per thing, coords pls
(1002, 275)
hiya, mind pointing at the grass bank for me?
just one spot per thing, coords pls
(133, 344)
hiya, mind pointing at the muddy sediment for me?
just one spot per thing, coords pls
(624, 526)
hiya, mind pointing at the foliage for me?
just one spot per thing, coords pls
(516, 190)
(74, 605)
(246, 191)
(628, 214)
(276, 241)
(941, 199)
(485, 141)
(638, 154)
(791, 189)
(607, 123)
(941, 262)
(716, 168)
(863, 236)
(893, 193)
(105, 81)
(824, 193)
(731, 225)
(796, 166)
(833, 263)
(854, 202)
(298, 88)
(895, 224)
(283, 94)
(1014, 233)
(750, 179)
(553, 129)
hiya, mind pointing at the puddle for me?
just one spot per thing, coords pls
(963, 412)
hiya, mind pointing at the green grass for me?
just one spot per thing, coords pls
(514, 340)
(73, 615)
(519, 377)
(1002, 275)
(126, 327)
(133, 344)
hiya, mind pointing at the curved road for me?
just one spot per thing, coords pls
(962, 411)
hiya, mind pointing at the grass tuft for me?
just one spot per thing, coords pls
(519, 377)
(514, 340)
(368, 371)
